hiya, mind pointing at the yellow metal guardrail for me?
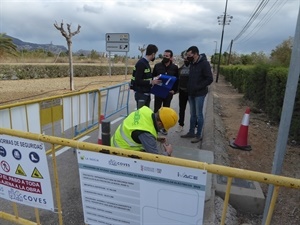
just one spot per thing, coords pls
(276, 180)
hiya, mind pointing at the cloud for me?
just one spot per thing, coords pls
(170, 24)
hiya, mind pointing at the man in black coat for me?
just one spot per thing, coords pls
(200, 77)
(167, 67)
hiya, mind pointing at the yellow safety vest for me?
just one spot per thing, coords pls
(138, 120)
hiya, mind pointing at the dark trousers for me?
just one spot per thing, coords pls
(183, 99)
(142, 99)
(158, 102)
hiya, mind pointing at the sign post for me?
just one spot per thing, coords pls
(117, 42)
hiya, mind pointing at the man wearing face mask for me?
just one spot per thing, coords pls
(200, 77)
(182, 90)
(167, 67)
(142, 79)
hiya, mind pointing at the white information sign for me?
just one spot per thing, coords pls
(117, 42)
(118, 190)
(24, 173)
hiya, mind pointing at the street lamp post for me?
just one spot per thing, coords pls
(223, 20)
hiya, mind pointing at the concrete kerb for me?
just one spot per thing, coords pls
(245, 195)
(208, 144)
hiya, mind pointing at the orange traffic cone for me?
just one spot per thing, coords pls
(241, 141)
(100, 129)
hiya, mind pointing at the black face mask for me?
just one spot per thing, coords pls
(152, 60)
(186, 63)
(190, 59)
(165, 60)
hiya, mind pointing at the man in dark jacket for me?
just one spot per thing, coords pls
(182, 90)
(142, 79)
(167, 67)
(200, 77)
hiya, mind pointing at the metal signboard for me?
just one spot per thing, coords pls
(117, 42)
(119, 190)
(24, 173)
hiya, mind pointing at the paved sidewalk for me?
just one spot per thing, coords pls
(202, 151)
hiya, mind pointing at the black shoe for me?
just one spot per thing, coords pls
(188, 135)
(196, 139)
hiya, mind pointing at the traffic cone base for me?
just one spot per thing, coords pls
(244, 148)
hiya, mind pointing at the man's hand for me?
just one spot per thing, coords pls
(156, 82)
(168, 148)
(162, 139)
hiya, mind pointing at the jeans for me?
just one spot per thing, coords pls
(183, 99)
(196, 110)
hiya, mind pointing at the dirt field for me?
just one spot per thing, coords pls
(22, 90)
(262, 137)
(228, 105)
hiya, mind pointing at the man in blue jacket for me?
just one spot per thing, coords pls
(200, 77)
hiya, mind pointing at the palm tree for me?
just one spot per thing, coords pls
(7, 47)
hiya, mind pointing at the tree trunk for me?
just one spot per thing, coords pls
(71, 66)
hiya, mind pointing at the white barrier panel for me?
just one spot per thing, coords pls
(130, 191)
(19, 118)
(33, 115)
(67, 122)
(112, 100)
(4, 118)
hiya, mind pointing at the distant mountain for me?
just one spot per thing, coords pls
(33, 46)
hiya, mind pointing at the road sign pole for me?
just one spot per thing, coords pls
(126, 62)
(109, 63)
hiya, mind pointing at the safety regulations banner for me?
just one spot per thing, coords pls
(24, 173)
(119, 190)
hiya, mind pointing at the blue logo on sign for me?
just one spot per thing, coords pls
(2, 151)
(17, 154)
(34, 157)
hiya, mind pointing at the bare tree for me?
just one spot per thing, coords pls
(142, 49)
(68, 35)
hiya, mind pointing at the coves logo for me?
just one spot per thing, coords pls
(116, 163)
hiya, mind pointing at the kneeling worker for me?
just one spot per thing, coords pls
(139, 130)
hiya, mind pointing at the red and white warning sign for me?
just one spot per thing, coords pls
(24, 173)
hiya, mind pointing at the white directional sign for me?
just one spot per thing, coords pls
(117, 42)
(117, 47)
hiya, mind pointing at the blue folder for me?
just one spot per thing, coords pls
(162, 90)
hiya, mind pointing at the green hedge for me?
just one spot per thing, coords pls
(265, 86)
(53, 71)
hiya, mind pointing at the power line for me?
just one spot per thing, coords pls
(258, 10)
(266, 18)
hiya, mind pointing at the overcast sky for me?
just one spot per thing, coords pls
(170, 24)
